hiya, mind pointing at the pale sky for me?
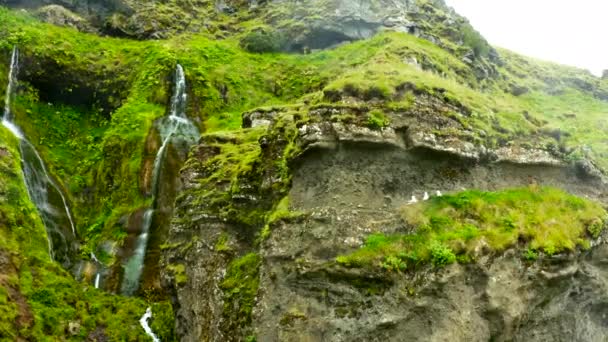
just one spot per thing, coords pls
(564, 31)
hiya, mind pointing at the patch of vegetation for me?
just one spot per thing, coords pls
(179, 273)
(240, 286)
(530, 254)
(474, 40)
(451, 228)
(377, 120)
(263, 41)
(441, 255)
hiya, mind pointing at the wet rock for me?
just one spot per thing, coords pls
(529, 156)
(61, 16)
(588, 170)
(259, 118)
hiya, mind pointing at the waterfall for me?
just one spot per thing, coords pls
(135, 265)
(174, 128)
(144, 324)
(12, 80)
(42, 190)
(99, 266)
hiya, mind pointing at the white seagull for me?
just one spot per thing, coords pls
(413, 200)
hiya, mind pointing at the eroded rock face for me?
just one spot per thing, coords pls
(337, 21)
(355, 190)
(501, 299)
(61, 16)
(347, 182)
(305, 25)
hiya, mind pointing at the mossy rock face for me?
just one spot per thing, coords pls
(39, 300)
(339, 175)
(60, 16)
(299, 26)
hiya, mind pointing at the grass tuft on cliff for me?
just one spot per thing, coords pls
(459, 227)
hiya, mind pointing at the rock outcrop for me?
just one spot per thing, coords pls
(346, 182)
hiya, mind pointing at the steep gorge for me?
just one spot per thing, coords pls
(338, 138)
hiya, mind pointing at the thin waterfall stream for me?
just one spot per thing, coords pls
(144, 324)
(42, 189)
(174, 128)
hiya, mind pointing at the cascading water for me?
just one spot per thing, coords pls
(175, 128)
(43, 191)
(144, 324)
(99, 266)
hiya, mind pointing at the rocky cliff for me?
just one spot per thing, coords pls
(367, 170)
(270, 247)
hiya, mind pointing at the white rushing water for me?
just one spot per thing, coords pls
(41, 189)
(174, 128)
(97, 278)
(144, 324)
(12, 80)
(135, 265)
(99, 266)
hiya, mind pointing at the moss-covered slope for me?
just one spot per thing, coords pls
(38, 299)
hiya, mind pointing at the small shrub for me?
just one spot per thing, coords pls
(509, 225)
(442, 255)
(377, 120)
(530, 255)
(550, 250)
(595, 228)
(474, 40)
(393, 263)
(262, 42)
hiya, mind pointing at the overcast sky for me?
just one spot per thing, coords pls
(563, 31)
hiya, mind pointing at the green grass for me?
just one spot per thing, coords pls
(450, 228)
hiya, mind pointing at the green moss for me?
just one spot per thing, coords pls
(595, 228)
(291, 316)
(222, 244)
(377, 120)
(441, 255)
(179, 273)
(240, 286)
(449, 228)
(530, 255)
(163, 321)
(474, 40)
